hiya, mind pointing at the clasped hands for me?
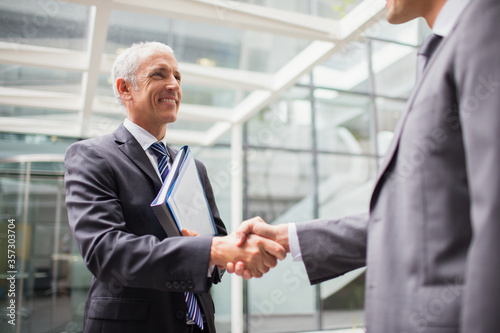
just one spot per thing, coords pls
(252, 250)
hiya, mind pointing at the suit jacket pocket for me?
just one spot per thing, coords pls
(118, 309)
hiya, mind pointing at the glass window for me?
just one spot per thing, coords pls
(394, 66)
(284, 123)
(280, 190)
(42, 79)
(45, 23)
(343, 122)
(38, 113)
(51, 279)
(345, 70)
(345, 188)
(204, 44)
(334, 9)
(217, 160)
(407, 33)
(211, 95)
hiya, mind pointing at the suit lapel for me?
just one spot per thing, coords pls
(133, 150)
(393, 147)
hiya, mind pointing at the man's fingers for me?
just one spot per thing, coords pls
(190, 233)
(239, 268)
(273, 248)
(246, 274)
(241, 233)
(230, 268)
(246, 228)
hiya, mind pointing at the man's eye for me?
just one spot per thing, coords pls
(158, 74)
(177, 77)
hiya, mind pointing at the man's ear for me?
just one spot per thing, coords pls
(124, 89)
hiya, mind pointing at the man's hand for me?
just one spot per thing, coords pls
(189, 233)
(257, 254)
(257, 226)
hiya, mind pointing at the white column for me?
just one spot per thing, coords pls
(236, 218)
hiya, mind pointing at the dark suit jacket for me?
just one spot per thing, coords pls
(140, 275)
(432, 240)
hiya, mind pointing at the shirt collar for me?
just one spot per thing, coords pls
(448, 16)
(142, 136)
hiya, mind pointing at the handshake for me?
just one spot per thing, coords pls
(252, 250)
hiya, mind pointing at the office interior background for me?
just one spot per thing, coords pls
(290, 104)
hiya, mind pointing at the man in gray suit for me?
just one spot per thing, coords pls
(431, 241)
(143, 280)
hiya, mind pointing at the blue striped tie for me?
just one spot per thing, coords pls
(162, 156)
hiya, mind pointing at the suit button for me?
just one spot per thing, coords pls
(176, 285)
(183, 285)
(190, 285)
(168, 285)
(180, 315)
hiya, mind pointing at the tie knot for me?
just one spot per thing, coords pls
(159, 149)
(429, 45)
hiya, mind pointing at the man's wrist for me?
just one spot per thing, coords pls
(282, 236)
(215, 252)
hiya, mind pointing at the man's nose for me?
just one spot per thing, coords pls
(173, 84)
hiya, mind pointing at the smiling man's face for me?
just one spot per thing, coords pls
(157, 98)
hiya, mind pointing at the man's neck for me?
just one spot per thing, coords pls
(157, 131)
(432, 13)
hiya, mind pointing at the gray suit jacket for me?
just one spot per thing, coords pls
(140, 275)
(431, 242)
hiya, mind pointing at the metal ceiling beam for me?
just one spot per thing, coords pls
(38, 99)
(45, 57)
(235, 14)
(99, 22)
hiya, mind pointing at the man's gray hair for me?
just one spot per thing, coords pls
(128, 62)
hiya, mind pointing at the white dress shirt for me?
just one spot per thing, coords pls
(145, 139)
(448, 16)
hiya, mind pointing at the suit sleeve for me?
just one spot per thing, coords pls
(478, 87)
(331, 248)
(113, 253)
(221, 229)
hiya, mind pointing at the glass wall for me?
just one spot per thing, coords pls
(45, 278)
(311, 151)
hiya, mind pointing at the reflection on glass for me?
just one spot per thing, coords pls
(345, 70)
(280, 190)
(204, 44)
(333, 9)
(345, 188)
(45, 23)
(44, 79)
(211, 95)
(51, 279)
(41, 113)
(343, 123)
(219, 171)
(407, 33)
(26, 144)
(285, 123)
(394, 67)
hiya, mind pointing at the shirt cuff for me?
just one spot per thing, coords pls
(293, 240)
(210, 270)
